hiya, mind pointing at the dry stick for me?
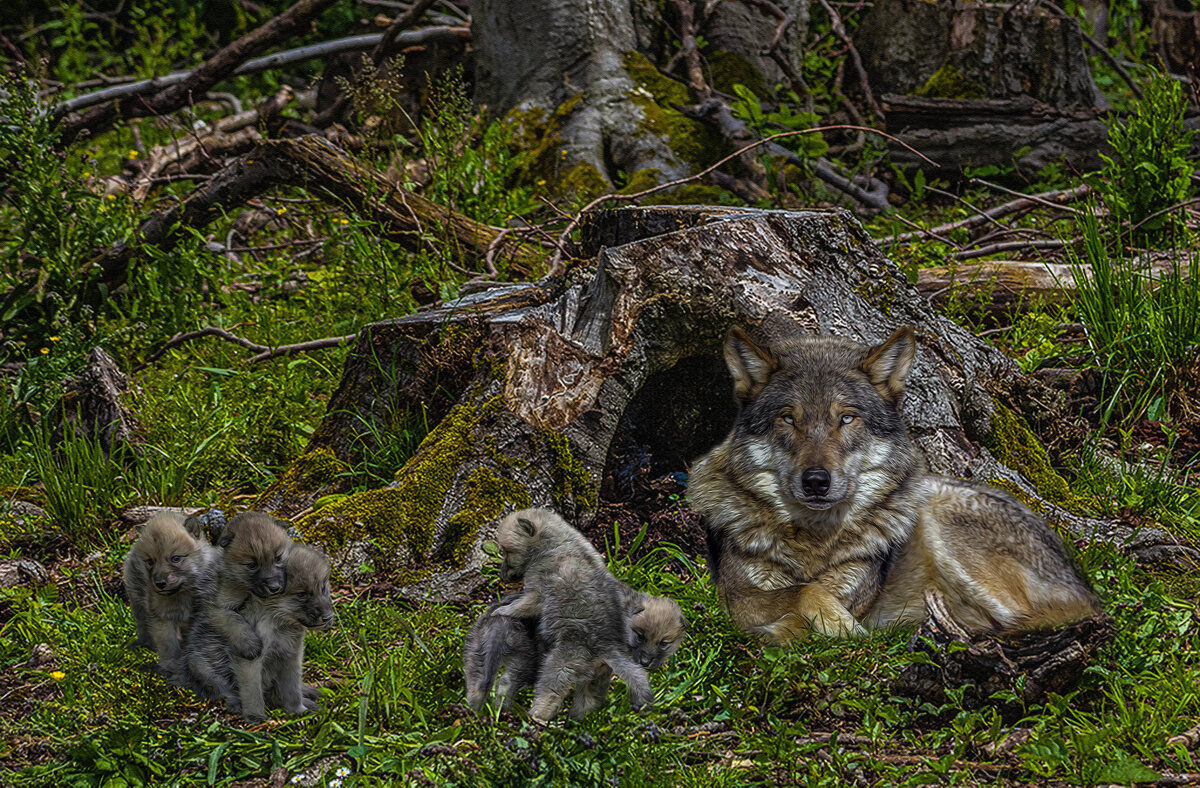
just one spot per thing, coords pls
(840, 29)
(1015, 193)
(1009, 246)
(263, 352)
(201, 79)
(1025, 203)
(556, 263)
(691, 55)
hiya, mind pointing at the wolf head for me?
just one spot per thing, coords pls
(818, 413)
(306, 597)
(657, 630)
(526, 535)
(170, 552)
(256, 551)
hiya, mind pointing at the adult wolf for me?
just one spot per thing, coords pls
(820, 512)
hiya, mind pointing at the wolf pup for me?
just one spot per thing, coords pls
(820, 512)
(582, 617)
(167, 569)
(496, 642)
(255, 550)
(656, 629)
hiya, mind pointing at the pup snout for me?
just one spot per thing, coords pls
(160, 583)
(815, 482)
(645, 662)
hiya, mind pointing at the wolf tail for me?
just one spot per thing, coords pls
(716, 546)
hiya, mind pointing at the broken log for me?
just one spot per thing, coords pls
(317, 164)
(520, 392)
(1024, 669)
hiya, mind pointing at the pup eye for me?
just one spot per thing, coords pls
(847, 418)
(303, 596)
(176, 559)
(149, 562)
(252, 565)
(663, 644)
(279, 558)
(787, 419)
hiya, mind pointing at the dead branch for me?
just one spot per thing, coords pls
(863, 82)
(330, 174)
(690, 53)
(429, 35)
(1009, 246)
(263, 352)
(201, 79)
(1024, 203)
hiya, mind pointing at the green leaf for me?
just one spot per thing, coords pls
(1126, 771)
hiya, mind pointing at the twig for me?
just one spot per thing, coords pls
(691, 55)
(1031, 197)
(863, 82)
(556, 262)
(288, 57)
(976, 211)
(263, 352)
(913, 224)
(1008, 246)
(1015, 206)
(1168, 209)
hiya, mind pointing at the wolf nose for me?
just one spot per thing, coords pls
(645, 662)
(160, 583)
(274, 587)
(327, 617)
(815, 481)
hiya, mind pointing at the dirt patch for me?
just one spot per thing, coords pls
(658, 504)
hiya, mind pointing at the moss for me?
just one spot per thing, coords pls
(571, 479)
(583, 181)
(404, 516)
(1013, 443)
(308, 476)
(488, 497)
(642, 180)
(948, 82)
(539, 134)
(692, 141)
(729, 68)
(27, 494)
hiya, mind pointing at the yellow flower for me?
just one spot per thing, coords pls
(55, 339)
(541, 181)
(564, 153)
(344, 221)
(57, 675)
(111, 196)
(133, 154)
(280, 211)
(45, 350)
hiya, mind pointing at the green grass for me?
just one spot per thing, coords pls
(394, 707)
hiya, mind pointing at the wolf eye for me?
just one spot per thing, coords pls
(176, 559)
(149, 561)
(303, 596)
(847, 418)
(787, 419)
(252, 564)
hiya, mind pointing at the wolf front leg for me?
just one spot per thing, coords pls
(791, 613)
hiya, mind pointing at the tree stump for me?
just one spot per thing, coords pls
(519, 391)
(91, 406)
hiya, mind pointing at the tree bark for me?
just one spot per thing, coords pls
(525, 386)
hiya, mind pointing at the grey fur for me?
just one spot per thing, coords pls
(500, 642)
(225, 640)
(166, 570)
(583, 622)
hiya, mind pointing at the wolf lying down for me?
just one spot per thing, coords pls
(821, 515)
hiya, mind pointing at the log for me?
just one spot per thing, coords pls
(520, 391)
(330, 174)
(1027, 667)
(92, 406)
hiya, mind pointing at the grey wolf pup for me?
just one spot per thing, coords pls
(657, 627)
(582, 618)
(167, 569)
(255, 551)
(820, 513)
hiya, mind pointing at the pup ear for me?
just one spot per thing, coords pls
(887, 365)
(750, 365)
(225, 540)
(194, 526)
(527, 526)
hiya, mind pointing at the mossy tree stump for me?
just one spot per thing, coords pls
(523, 392)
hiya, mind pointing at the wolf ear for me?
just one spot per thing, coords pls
(750, 365)
(887, 365)
(527, 526)
(194, 526)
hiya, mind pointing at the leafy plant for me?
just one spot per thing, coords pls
(1149, 171)
(749, 109)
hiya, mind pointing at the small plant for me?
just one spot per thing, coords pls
(1149, 172)
(1143, 328)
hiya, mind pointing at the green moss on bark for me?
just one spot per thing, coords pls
(488, 497)
(571, 479)
(1013, 443)
(692, 141)
(948, 82)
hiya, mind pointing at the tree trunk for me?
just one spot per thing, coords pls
(519, 391)
(579, 79)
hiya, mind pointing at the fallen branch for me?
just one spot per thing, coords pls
(1009, 246)
(264, 353)
(199, 80)
(863, 83)
(331, 175)
(1025, 203)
